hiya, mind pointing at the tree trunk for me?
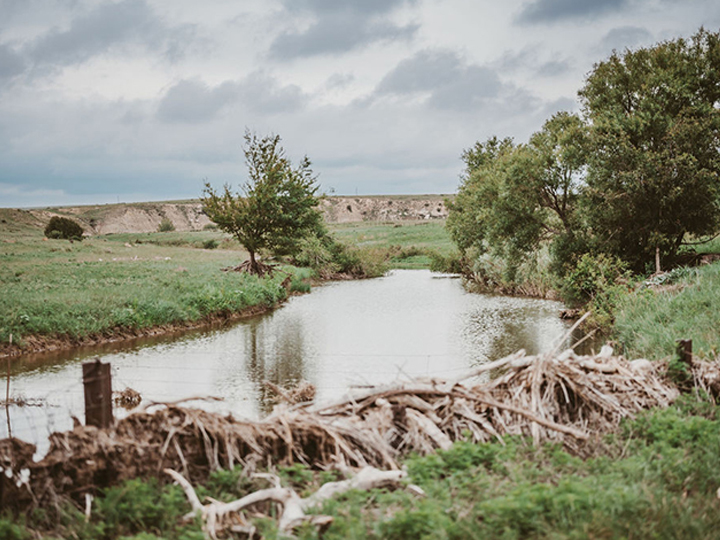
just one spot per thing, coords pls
(254, 268)
(658, 269)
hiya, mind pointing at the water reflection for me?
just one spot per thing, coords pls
(408, 324)
(274, 353)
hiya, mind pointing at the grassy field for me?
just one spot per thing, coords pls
(410, 244)
(127, 282)
(124, 281)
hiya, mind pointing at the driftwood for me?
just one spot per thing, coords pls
(565, 398)
(218, 516)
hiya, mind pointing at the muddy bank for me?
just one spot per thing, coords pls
(45, 344)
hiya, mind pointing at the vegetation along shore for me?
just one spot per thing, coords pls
(614, 209)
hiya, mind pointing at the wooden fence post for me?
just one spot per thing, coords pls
(684, 351)
(98, 394)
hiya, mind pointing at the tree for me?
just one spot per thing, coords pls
(278, 204)
(513, 197)
(654, 164)
(62, 227)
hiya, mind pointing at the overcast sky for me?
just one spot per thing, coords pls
(139, 100)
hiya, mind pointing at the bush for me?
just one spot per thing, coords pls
(327, 256)
(450, 264)
(601, 281)
(592, 275)
(166, 225)
(60, 227)
(210, 244)
(210, 227)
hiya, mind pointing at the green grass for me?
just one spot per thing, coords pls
(407, 244)
(649, 320)
(55, 288)
(122, 281)
(655, 478)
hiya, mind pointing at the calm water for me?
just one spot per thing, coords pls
(358, 333)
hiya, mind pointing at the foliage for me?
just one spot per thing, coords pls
(686, 306)
(65, 228)
(166, 225)
(632, 179)
(278, 204)
(654, 166)
(329, 257)
(513, 199)
(454, 263)
(210, 244)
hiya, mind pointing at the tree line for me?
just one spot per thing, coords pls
(630, 179)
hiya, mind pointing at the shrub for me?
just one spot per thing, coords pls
(166, 225)
(210, 244)
(60, 227)
(210, 227)
(600, 281)
(450, 264)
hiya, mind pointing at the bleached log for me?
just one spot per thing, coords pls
(215, 515)
(427, 426)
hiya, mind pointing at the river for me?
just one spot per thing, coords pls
(407, 324)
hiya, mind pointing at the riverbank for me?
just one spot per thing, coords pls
(59, 295)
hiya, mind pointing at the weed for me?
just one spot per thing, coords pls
(166, 225)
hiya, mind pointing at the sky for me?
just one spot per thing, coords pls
(144, 100)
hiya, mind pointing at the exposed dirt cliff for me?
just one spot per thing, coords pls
(188, 216)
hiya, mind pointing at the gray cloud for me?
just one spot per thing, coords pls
(554, 68)
(450, 82)
(106, 26)
(625, 37)
(11, 63)
(192, 101)
(544, 11)
(339, 26)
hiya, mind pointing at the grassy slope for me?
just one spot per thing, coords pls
(650, 320)
(136, 281)
(130, 281)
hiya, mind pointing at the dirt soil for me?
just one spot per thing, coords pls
(189, 216)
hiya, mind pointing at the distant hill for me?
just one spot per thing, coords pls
(188, 215)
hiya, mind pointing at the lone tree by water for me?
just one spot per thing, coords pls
(277, 205)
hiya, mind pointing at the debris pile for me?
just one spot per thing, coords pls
(565, 398)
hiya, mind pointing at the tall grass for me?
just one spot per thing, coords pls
(55, 288)
(651, 319)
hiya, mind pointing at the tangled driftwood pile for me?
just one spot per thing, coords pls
(565, 398)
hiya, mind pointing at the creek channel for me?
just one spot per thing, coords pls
(344, 335)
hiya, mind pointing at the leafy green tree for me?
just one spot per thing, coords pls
(514, 198)
(278, 204)
(65, 228)
(654, 164)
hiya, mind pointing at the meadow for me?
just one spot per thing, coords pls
(118, 283)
